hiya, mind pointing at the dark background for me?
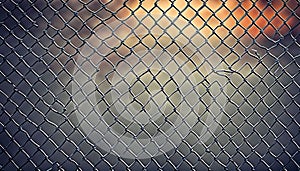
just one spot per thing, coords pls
(37, 54)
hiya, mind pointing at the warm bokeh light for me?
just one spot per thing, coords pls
(252, 15)
(238, 17)
(223, 23)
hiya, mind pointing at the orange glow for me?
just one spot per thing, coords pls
(216, 13)
(254, 16)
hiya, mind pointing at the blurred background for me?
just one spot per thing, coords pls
(256, 42)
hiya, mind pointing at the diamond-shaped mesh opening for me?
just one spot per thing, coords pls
(156, 85)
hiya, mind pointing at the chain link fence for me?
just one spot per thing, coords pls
(149, 85)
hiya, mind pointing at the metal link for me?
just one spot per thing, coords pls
(149, 85)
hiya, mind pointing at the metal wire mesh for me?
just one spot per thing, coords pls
(156, 85)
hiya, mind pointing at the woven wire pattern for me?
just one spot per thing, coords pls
(239, 58)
